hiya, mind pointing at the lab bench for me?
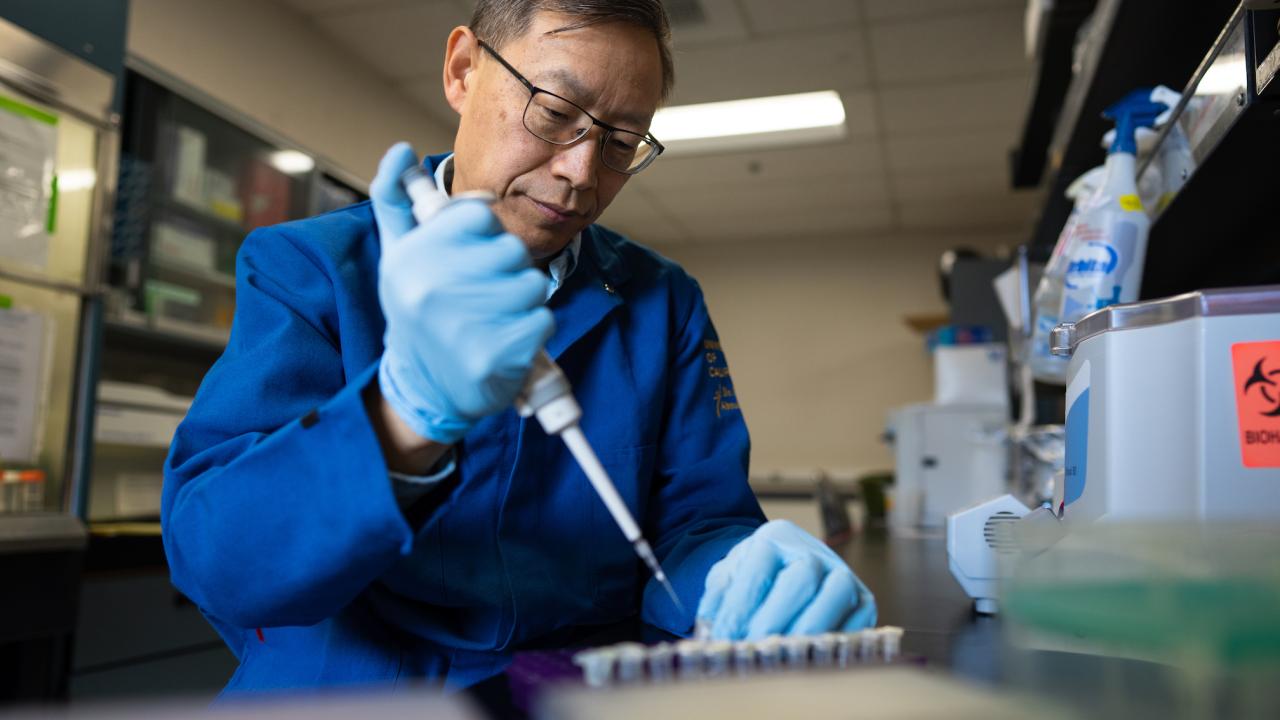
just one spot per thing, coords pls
(138, 637)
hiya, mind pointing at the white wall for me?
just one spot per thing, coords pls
(266, 62)
(814, 335)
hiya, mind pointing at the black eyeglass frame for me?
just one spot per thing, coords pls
(534, 90)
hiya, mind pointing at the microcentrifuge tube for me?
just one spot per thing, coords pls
(631, 657)
(770, 651)
(744, 657)
(842, 649)
(597, 665)
(890, 642)
(661, 662)
(796, 651)
(691, 654)
(702, 630)
(824, 647)
(717, 654)
(868, 643)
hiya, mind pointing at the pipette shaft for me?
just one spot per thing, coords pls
(548, 397)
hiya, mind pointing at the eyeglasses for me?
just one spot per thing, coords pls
(558, 121)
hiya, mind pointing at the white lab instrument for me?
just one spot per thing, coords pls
(970, 374)
(947, 457)
(548, 397)
(1173, 409)
(979, 540)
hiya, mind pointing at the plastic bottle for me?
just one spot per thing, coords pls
(1110, 237)
(1045, 366)
(1165, 176)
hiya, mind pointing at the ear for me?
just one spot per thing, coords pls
(460, 57)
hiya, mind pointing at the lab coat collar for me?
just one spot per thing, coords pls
(592, 290)
(562, 266)
(590, 294)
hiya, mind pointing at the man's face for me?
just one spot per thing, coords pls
(548, 193)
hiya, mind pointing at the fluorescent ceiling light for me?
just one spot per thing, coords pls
(292, 162)
(754, 123)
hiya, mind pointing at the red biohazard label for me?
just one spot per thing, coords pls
(1257, 371)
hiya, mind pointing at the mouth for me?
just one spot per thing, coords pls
(555, 214)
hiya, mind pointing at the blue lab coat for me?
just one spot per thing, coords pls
(281, 524)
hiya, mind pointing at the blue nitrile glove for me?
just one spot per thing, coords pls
(781, 580)
(463, 304)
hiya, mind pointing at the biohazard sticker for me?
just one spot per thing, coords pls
(1257, 374)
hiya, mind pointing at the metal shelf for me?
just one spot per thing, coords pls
(1218, 231)
(1141, 43)
(1053, 78)
(145, 336)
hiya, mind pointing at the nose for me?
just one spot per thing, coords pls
(578, 163)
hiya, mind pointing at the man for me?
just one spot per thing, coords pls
(351, 499)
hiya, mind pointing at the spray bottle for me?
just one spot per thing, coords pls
(1110, 237)
(1165, 175)
(1045, 366)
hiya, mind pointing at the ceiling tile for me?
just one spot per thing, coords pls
(985, 182)
(1008, 212)
(958, 46)
(998, 105)
(400, 41)
(720, 200)
(722, 22)
(323, 7)
(949, 151)
(850, 160)
(783, 224)
(770, 16)
(901, 9)
(772, 66)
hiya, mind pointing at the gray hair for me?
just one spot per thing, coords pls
(498, 22)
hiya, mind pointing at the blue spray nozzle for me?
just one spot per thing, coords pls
(1135, 110)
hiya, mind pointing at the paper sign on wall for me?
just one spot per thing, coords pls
(28, 140)
(22, 342)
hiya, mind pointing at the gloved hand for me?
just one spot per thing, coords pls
(463, 304)
(781, 580)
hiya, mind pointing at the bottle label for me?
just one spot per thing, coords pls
(1096, 271)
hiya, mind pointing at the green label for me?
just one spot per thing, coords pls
(27, 111)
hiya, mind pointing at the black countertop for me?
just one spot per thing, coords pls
(914, 590)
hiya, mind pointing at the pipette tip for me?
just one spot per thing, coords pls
(666, 585)
(646, 554)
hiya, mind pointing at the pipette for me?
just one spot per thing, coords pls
(548, 397)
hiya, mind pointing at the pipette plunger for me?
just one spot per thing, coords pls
(548, 396)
